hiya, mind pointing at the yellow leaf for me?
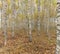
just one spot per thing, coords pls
(8, 11)
(9, 2)
(54, 3)
(0, 4)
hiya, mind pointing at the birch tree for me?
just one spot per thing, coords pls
(58, 28)
(38, 18)
(16, 13)
(13, 17)
(46, 17)
(4, 18)
(0, 11)
(29, 20)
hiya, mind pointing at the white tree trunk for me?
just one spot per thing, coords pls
(5, 20)
(13, 17)
(29, 20)
(1, 17)
(38, 19)
(58, 30)
(46, 18)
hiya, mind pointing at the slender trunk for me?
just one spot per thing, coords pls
(58, 31)
(48, 20)
(13, 17)
(5, 20)
(1, 15)
(29, 20)
(38, 19)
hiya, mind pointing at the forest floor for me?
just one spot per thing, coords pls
(19, 44)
